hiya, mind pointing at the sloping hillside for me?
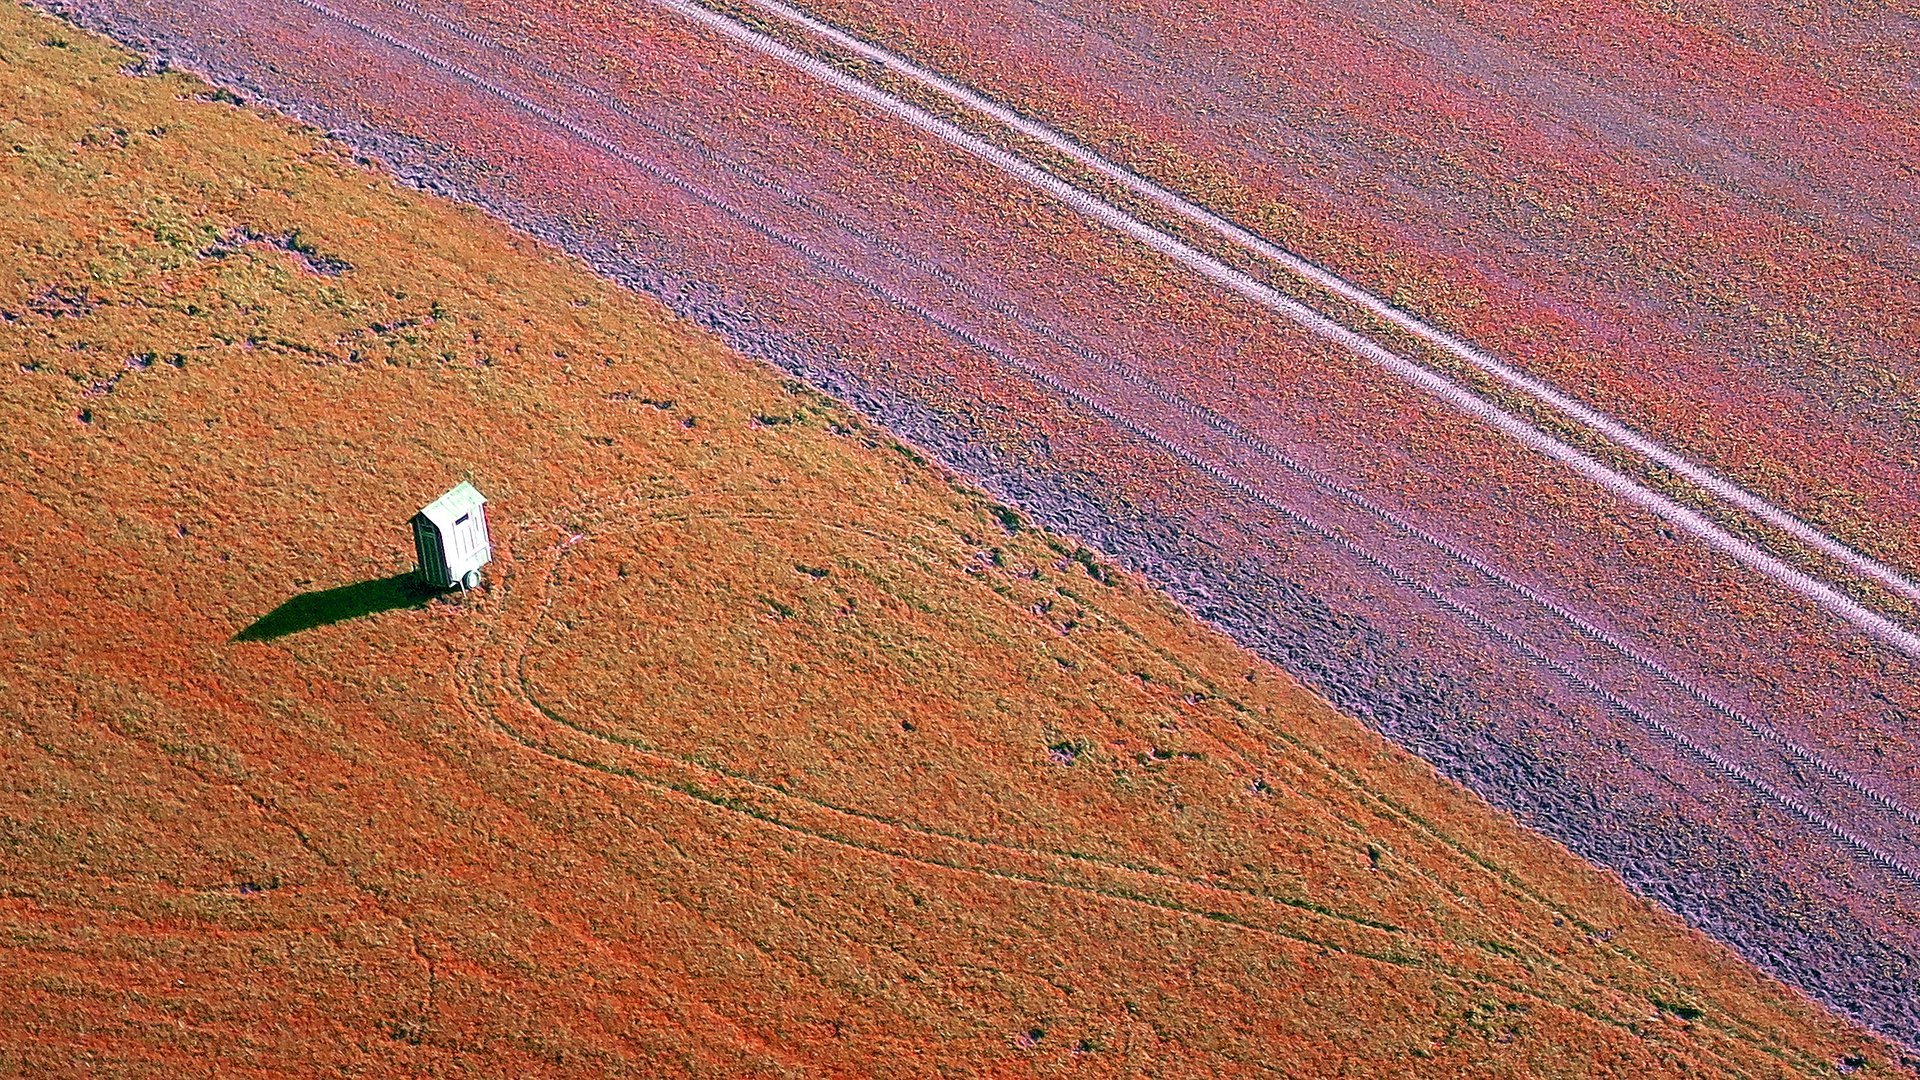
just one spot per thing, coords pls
(767, 748)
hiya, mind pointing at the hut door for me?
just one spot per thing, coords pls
(433, 561)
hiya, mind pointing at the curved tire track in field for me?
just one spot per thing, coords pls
(1019, 612)
(1793, 806)
(1599, 635)
(714, 786)
(520, 678)
(1721, 488)
(514, 646)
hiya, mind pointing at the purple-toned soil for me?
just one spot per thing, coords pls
(1282, 487)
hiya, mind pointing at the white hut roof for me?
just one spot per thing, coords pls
(460, 499)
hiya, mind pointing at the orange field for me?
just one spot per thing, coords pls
(767, 748)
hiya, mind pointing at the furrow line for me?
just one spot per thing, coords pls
(1204, 414)
(1795, 807)
(1054, 139)
(1463, 400)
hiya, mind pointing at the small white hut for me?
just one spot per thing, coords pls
(450, 535)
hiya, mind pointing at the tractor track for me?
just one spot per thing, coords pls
(1797, 806)
(1719, 487)
(502, 662)
(1717, 761)
(1827, 597)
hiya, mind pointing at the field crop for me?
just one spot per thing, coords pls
(1227, 454)
(767, 747)
(1689, 217)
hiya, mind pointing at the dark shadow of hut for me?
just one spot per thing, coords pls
(327, 606)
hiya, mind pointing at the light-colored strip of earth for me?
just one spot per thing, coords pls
(1692, 522)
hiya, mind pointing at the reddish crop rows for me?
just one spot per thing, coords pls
(1707, 236)
(985, 321)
